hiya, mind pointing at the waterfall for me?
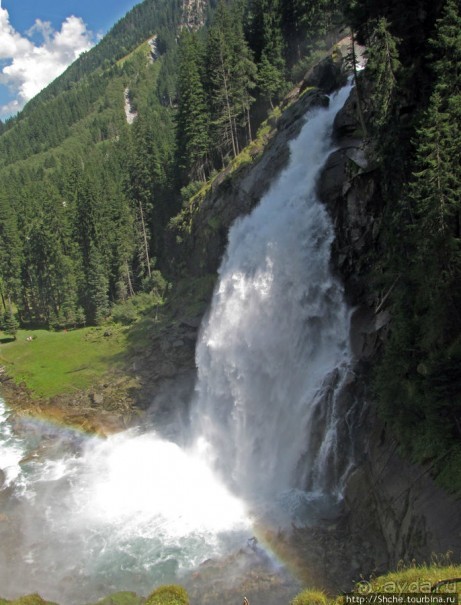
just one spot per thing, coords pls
(274, 353)
(11, 450)
(269, 422)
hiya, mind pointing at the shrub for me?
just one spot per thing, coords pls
(168, 595)
(121, 598)
(124, 314)
(310, 597)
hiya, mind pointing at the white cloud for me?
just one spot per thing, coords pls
(30, 67)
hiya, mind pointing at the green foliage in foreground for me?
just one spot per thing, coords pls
(118, 598)
(310, 597)
(122, 598)
(412, 579)
(417, 578)
(31, 599)
(168, 595)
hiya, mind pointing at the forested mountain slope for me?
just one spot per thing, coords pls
(85, 196)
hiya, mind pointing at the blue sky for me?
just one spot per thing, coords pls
(39, 39)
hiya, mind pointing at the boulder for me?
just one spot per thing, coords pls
(97, 398)
(346, 122)
(327, 75)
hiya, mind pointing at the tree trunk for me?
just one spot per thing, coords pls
(145, 242)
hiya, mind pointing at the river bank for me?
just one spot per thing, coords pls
(102, 409)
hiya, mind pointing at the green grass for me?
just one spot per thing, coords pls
(61, 362)
(31, 599)
(168, 595)
(407, 579)
(122, 598)
(143, 49)
(310, 597)
(417, 578)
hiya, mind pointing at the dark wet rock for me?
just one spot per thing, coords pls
(192, 322)
(349, 185)
(366, 327)
(248, 573)
(392, 504)
(298, 110)
(328, 75)
(346, 123)
(397, 506)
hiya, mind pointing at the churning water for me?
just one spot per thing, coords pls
(90, 516)
(86, 517)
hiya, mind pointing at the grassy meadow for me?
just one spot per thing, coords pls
(53, 363)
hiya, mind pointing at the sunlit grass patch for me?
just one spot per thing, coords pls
(53, 363)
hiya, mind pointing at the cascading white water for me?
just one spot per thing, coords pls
(87, 516)
(276, 340)
(11, 450)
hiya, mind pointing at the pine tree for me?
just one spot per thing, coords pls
(192, 118)
(436, 187)
(220, 66)
(382, 67)
(267, 25)
(11, 252)
(231, 75)
(98, 288)
(168, 78)
(270, 79)
(419, 377)
(306, 23)
(244, 74)
(9, 324)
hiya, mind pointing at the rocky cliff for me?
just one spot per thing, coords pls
(392, 506)
(193, 14)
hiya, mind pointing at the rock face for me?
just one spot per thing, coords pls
(349, 186)
(393, 510)
(193, 14)
(393, 507)
(397, 507)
